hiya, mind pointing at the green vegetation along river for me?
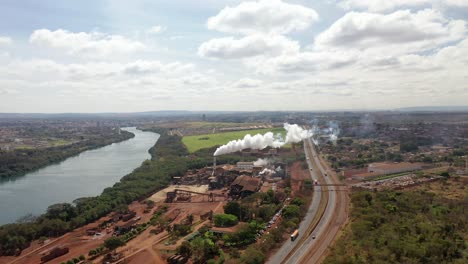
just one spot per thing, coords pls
(80, 176)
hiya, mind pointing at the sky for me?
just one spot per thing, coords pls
(275, 55)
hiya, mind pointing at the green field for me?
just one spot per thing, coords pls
(194, 143)
(198, 124)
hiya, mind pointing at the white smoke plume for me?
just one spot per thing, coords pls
(334, 131)
(331, 131)
(294, 134)
(267, 171)
(261, 162)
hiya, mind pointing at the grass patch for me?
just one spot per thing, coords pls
(197, 124)
(194, 143)
(59, 142)
(388, 176)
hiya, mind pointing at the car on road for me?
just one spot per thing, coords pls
(313, 237)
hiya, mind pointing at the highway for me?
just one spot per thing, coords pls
(325, 216)
(289, 245)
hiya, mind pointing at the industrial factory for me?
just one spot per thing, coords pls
(228, 181)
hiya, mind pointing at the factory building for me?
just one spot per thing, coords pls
(244, 165)
(244, 185)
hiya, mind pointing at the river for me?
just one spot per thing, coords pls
(84, 175)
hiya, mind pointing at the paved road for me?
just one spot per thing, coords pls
(334, 218)
(287, 247)
(314, 250)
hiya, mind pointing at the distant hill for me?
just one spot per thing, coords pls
(434, 109)
(174, 113)
(163, 113)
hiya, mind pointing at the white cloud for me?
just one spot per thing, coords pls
(197, 79)
(457, 3)
(4, 41)
(249, 46)
(399, 32)
(8, 91)
(264, 16)
(382, 5)
(87, 44)
(247, 83)
(302, 62)
(156, 29)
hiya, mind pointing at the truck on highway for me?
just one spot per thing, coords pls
(295, 234)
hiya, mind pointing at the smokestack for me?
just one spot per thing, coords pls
(214, 166)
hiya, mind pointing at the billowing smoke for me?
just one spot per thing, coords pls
(268, 171)
(330, 131)
(334, 131)
(261, 162)
(294, 134)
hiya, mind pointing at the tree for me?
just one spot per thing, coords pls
(232, 208)
(122, 208)
(408, 146)
(445, 174)
(185, 249)
(190, 218)
(253, 256)
(291, 211)
(203, 249)
(225, 220)
(62, 211)
(297, 201)
(113, 243)
(368, 198)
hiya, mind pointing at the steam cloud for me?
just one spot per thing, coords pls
(261, 162)
(331, 131)
(294, 134)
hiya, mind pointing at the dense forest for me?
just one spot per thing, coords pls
(21, 161)
(417, 226)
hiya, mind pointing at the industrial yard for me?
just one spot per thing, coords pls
(155, 227)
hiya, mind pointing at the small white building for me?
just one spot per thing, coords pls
(244, 165)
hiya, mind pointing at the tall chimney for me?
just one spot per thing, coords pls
(214, 166)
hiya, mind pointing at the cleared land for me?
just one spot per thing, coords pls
(194, 143)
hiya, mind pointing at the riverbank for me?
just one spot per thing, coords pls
(19, 162)
(152, 175)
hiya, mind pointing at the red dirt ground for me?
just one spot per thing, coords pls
(79, 243)
(298, 175)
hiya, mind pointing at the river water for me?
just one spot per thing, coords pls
(80, 176)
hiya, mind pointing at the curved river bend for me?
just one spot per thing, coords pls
(87, 174)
